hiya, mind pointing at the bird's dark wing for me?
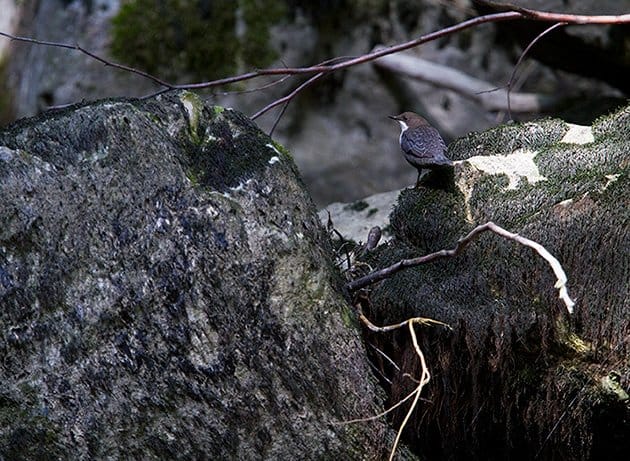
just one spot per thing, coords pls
(423, 142)
(424, 147)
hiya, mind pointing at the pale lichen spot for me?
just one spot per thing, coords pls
(516, 166)
(193, 105)
(162, 223)
(610, 179)
(578, 134)
(212, 211)
(6, 154)
(274, 159)
(240, 188)
(273, 148)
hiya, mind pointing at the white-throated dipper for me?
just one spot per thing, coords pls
(422, 144)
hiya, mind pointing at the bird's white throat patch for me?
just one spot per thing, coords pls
(519, 164)
(403, 127)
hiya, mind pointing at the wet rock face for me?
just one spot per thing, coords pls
(166, 293)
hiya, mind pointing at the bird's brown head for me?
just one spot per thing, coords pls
(410, 119)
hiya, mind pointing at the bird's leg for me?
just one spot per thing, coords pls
(418, 180)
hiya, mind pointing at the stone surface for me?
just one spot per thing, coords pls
(354, 220)
(8, 22)
(40, 77)
(167, 293)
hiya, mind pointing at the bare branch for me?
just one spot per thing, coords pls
(395, 326)
(287, 99)
(360, 59)
(495, 17)
(517, 13)
(385, 356)
(462, 243)
(91, 55)
(424, 378)
(520, 59)
(380, 415)
(548, 16)
(258, 88)
(278, 118)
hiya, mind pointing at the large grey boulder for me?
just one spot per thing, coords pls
(516, 377)
(166, 293)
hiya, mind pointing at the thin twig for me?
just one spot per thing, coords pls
(548, 16)
(98, 58)
(287, 99)
(520, 59)
(517, 13)
(425, 378)
(496, 17)
(522, 13)
(462, 243)
(419, 320)
(380, 373)
(258, 88)
(278, 118)
(386, 357)
(380, 415)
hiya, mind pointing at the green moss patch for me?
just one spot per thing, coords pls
(199, 39)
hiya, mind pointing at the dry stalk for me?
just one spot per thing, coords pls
(425, 376)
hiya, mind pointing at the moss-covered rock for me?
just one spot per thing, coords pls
(515, 374)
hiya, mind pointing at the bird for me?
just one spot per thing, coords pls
(421, 143)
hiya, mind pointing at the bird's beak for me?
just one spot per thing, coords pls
(393, 117)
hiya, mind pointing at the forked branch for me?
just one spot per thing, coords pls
(462, 243)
